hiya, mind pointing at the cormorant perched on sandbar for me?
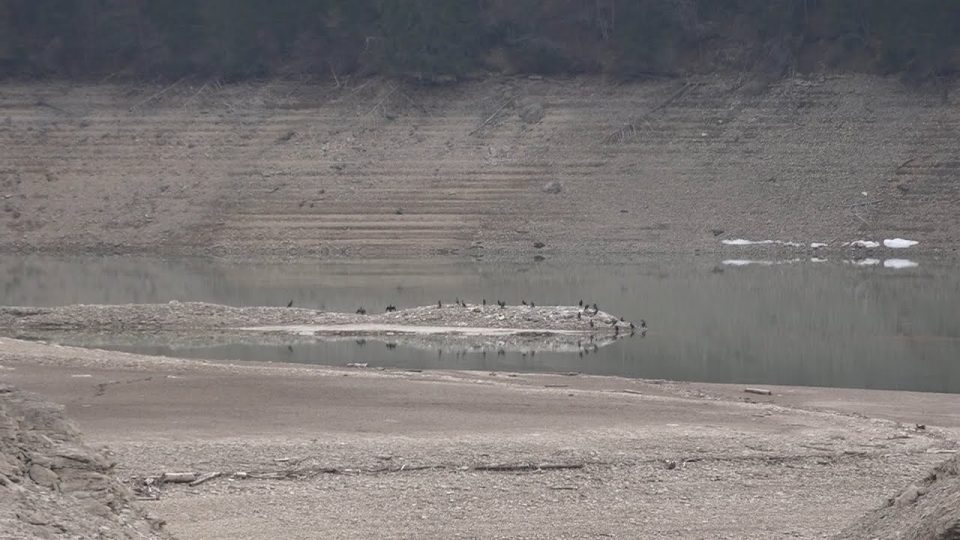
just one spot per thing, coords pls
(361, 311)
(532, 304)
(290, 303)
(579, 315)
(484, 301)
(524, 302)
(580, 303)
(439, 304)
(391, 307)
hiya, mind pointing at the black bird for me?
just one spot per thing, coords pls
(484, 301)
(595, 309)
(579, 316)
(632, 327)
(391, 307)
(643, 324)
(457, 301)
(290, 303)
(616, 330)
(501, 303)
(621, 319)
(581, 302)
(524, 302)
(439, 304)
(462, 303)
(532, 304)
(361, 311)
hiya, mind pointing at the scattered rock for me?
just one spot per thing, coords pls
(553, 187)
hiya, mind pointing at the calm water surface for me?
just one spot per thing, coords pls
(802, 323)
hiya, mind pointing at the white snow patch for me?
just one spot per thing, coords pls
(743, 242)
(899, 243)
(818, 245)
(867, 262)
(747, 262)
(817, 260)
(869, 244)
(82, 376)
(898, 264)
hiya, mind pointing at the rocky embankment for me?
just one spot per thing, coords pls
(928, 508)
(52, 485)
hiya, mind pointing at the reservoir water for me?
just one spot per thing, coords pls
(862, 324)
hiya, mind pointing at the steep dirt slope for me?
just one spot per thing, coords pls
(379, 169)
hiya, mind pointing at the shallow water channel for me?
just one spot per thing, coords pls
(831, 323)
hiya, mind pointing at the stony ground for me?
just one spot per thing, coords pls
(306, 451)
(502, 169)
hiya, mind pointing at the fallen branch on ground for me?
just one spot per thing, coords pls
(492, 116)
(621, 135)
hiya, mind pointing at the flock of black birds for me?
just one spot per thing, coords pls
(586, 308)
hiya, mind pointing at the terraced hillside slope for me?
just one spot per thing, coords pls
(375, 168)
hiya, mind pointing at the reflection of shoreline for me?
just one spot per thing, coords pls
(520, 341)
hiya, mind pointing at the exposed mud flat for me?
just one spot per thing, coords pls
(307, 451)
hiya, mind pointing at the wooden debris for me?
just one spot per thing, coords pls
(206, 477)
(761, 391)
(155, 96)
(492, 116)
(521, 467)
(178, 477)
(628, 391)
